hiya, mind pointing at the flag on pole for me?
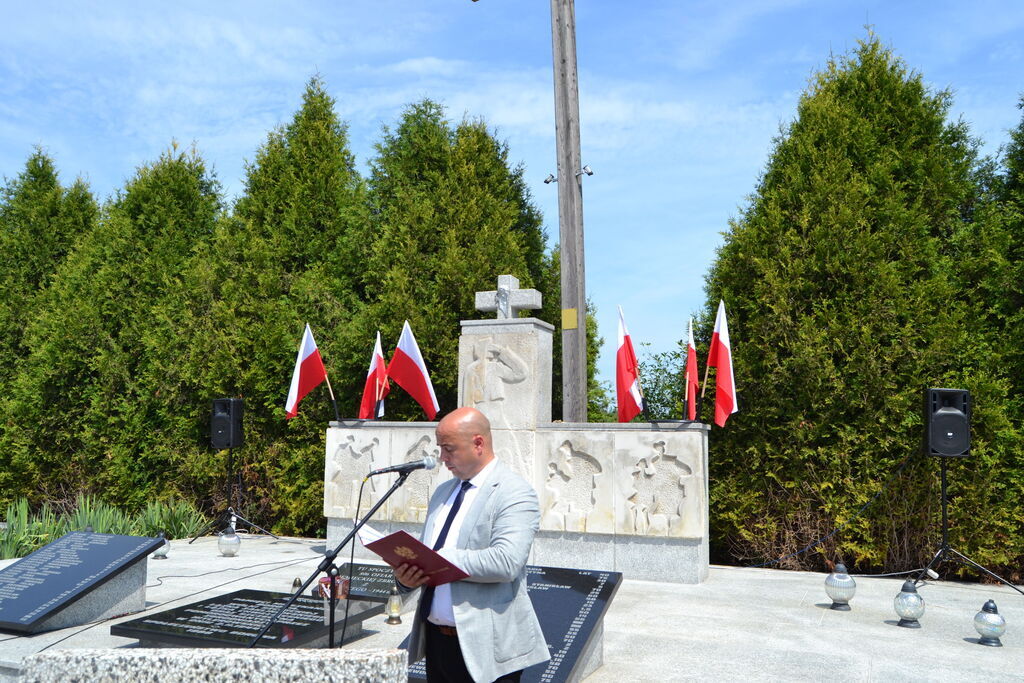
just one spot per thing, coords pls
(630, 400)
(410, 372)
(691, 376)
(376, 387)
(309, 372)
(720, 356)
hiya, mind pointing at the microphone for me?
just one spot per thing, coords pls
(427, 463)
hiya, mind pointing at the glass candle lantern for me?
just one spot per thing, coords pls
(165, 547)
(990, 625)
(840, 586)
(394, 608)
(228, 543)
(909, 605)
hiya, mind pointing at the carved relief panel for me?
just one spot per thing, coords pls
(660, 485)
(605, 481)
(575, 484)
(353, 453)
(350, 456)
(409, 503)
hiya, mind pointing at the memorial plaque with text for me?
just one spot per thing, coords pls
(570, 604)
(369, 581)
(55, 576)
(233, 620)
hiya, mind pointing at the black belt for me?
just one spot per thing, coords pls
(444, 630)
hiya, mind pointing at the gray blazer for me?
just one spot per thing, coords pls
(498, 630)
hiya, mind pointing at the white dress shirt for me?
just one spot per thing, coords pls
(441, 611)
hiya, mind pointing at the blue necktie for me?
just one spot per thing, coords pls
(451, 515)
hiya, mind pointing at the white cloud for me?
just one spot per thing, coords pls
(679, 101)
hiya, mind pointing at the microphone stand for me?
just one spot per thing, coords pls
(328, 566)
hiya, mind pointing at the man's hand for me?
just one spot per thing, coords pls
(410, 576)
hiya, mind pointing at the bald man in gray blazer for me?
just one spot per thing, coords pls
(482, 628)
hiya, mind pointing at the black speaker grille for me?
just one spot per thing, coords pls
(226, 423)
(947, 422)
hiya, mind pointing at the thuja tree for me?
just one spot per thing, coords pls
(79, 416)
(449, 214)
(841, 282)
(290, 255)
(39, 221)
(1011, 286)
(994, 260)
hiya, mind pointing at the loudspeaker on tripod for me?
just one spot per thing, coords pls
(226, 423)
(947, 422)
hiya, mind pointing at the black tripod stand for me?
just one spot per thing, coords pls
(946, 552)
(327, 566)
(229, 517)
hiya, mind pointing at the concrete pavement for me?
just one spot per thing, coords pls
(741, 624)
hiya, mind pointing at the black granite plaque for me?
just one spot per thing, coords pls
(369, 581)
(570, 604)
(55, 576)
(233, 620)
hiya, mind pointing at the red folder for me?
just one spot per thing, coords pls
(400, 547)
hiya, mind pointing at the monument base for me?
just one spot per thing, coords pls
(648, 558)
(123, 594)
(673, 560)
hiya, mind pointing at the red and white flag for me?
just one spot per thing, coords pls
(376, 387)
(410, 372)
(630, 400)
(309, 372)
(720, 356)
(691, 377)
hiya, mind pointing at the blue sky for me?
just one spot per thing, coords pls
(679, 101)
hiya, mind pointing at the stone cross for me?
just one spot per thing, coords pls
(508, 300)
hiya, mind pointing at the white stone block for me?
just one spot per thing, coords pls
(505, 370)
(356, 447)
(577, 484)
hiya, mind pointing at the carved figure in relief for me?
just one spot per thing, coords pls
(414, 495)
(492, 368)
(573, 478)
(349, 458)
(659, 491)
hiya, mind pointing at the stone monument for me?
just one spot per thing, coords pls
(631, 498)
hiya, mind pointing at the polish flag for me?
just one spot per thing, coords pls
(630, 400)
(410, 372)
(376, 386)
(309, 372)
(720, 356)
(691, 377)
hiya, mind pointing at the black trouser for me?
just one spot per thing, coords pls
(444, 660)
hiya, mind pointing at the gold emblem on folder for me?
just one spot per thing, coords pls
(403, 551)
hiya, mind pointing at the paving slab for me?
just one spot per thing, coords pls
(740, 624)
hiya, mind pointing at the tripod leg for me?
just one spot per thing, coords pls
(212, 525)
(960, 557)
(935, 560)
(240, 518)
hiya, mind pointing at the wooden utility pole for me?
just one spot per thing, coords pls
(570, 212)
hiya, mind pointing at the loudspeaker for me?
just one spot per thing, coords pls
(947, 422)
(226, 423)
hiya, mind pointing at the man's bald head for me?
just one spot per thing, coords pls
(464, 437)
(468, 420)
